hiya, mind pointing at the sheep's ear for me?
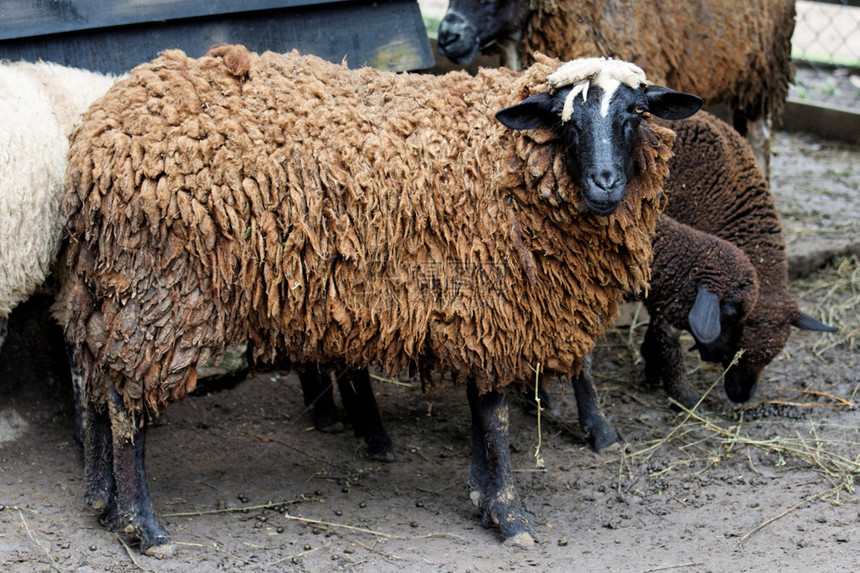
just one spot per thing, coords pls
(806, 322)
(704, 317)
(531, 113)
(669, 104)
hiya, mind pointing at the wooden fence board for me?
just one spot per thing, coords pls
(25, 18)
(387, 34)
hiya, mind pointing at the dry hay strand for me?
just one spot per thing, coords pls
(707, 437)
(32, 535)
(390, 380)
(812, 452)
(834, 293)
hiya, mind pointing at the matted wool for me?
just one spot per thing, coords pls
(725, 51)
(339, 217)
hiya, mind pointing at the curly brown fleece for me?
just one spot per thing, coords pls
(685, 259)
(336, 216)
(726, 51)
(717, 187)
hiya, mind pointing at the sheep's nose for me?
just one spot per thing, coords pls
(607, 180)
(451, 29)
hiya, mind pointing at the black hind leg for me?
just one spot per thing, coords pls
(134, 513)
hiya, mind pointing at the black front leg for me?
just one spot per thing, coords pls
(490, 473)
(134, 513)
(598, 433)
(664, 361)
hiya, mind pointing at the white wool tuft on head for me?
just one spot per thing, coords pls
(600, 71)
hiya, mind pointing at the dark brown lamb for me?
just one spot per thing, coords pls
(700, 283)
(717, 187)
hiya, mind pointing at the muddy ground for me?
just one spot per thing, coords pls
(244, 484)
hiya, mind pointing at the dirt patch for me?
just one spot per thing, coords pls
(244, 484)
(816, 184)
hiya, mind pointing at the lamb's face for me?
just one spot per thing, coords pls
(765, 333)
(602, 131)
(470, 25)
(764, 336)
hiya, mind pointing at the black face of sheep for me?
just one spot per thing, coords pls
(721, 329)
(601, 133)
(762, 339)
(717, 326)
(469, 26)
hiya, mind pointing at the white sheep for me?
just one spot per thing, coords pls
(41, 103)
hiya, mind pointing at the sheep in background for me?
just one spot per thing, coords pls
(737, 54)
(310, 210)
(717, 187)
(41, 103)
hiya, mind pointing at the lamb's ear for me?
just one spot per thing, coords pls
(806, 322)
(704, 317)
(531, 113)
(669, 104)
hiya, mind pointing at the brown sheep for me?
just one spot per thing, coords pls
(314, 211)
(737, 54)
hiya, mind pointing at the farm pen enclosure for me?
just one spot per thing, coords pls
(245, 484)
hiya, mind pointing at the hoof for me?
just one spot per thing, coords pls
(511, 519)
(380, 448)
(611, 448)
(603, 440)
(384, 456)
(683, 394)
(687, 399)
(476, 497)
(97, 502)
(523, 539)
(155, 541)
(98, 497)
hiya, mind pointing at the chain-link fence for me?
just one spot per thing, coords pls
(826, 52)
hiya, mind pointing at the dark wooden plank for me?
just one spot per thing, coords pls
(385, 34)
(25, 18)
(828, 122)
